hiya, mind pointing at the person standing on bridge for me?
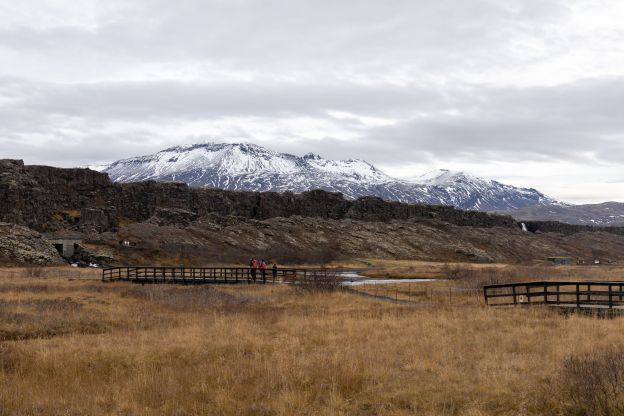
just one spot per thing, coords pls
(253, 265)
(263, 267)
(274, 271)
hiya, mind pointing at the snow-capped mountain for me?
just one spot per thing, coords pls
(248, 167)
(606, 214)
(481, 194)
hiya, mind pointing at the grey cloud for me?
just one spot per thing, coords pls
(563, 122)
(350, 33)
(188, 99)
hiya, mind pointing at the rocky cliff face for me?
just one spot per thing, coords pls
(39, 196)
(307, 240)
(46, 198)
(568, 229)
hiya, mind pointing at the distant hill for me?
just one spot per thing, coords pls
(605, 214)
(248, 167)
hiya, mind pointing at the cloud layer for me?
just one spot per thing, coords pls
(526, 92)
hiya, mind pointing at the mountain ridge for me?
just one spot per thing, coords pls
(249, 167)
(603, 214)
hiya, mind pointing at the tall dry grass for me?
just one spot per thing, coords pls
(50, 272)
(123, 349)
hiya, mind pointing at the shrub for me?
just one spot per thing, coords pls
(9, 358)
(593, 383)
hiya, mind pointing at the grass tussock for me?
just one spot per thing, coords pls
(50, 272)
(592, 383)
(121, 349)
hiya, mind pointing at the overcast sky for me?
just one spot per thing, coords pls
(528, 92)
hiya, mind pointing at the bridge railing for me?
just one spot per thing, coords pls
(562, 293)
(149, 274)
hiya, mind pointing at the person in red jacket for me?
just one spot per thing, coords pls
(253, 265)
(263, 267)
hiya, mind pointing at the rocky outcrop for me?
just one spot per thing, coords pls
(84, 257)
(172, 217)
(99, 219)
(307, 240)
(45, 198)
(20, 245)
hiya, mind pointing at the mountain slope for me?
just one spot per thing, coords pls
(481, 193)
(605, 214)
(248, 167)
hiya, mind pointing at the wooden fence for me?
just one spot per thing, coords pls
(586, 294)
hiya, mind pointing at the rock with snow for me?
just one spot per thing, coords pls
(248, 167)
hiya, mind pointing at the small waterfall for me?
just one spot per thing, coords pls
(524, 227)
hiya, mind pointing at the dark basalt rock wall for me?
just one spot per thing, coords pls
(43, 197)
(33, 195)
(568, 229)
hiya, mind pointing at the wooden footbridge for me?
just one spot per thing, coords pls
(591, 295)
(203, 275)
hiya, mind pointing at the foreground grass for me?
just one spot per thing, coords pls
(122, 349)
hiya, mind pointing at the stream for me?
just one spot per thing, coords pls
(353, 278)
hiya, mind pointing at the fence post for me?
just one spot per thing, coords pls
(578, 295)
(513, 289)
(545, 293)
(558, 290)
(485, 294)
(610, 297)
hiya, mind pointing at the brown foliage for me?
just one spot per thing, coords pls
(592, 384)
(87, 347)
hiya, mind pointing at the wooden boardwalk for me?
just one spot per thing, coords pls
(205, 275)
(596, 295)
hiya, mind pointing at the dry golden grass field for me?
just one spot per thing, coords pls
(72, 345)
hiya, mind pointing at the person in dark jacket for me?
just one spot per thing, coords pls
(274, 271)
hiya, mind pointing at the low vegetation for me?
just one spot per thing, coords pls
(79, 346)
